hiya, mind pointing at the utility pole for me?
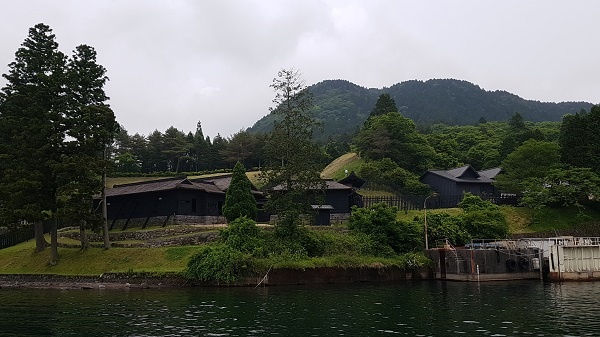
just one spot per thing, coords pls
(104, 207)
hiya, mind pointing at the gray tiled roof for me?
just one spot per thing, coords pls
(162, 185)
(457, 175)
(223, 183)
(491, 173)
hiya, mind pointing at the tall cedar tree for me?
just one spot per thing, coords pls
(294, 176)
(53, 127)
(32, 131)
(239, 200)
(91, 126)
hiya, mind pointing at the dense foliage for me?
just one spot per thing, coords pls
(480, 219)
(387, 235)
(579, 139)
(247, 250)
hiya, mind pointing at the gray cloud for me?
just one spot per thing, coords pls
(183, 61)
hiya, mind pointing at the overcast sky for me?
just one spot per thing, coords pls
(177, 62)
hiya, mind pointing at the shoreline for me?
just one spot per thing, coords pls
(275, 277)
(63, 282)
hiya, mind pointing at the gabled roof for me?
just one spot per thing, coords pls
(464, 174)
(352, 180)
(162, 185)
(491, 173)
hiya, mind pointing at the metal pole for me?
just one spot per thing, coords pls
(425, 208)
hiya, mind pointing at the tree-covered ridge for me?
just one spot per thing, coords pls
(342, 107)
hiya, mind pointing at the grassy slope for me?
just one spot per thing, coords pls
(336, 169)
(22, 259)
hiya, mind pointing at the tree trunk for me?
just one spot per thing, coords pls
(54, 242)
(40, 241)
(85, 243)
(104, 207)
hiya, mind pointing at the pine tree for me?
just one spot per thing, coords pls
(239, 201)
(294, 172)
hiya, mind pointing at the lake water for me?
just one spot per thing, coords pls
(429, 308)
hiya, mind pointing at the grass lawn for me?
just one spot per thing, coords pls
(22, 259)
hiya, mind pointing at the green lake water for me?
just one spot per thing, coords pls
(523, 308)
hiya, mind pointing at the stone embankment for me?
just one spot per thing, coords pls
(104, 281)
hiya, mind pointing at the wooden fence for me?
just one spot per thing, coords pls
(23, 233)
(16, 236)
(416, 202)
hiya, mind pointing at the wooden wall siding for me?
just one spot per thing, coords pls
(165, 203)
(339, 200)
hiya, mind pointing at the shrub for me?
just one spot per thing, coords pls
(486, 224)
(218, 263)
(471, 203)
(442, 226)
(380, 224)
(242, 234)
(482, 219)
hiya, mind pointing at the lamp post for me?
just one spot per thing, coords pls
(425, 218)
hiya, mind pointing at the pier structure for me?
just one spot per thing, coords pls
(563, 258)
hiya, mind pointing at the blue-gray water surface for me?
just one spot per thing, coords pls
(524, 308)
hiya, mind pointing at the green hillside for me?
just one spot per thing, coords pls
(342, 107)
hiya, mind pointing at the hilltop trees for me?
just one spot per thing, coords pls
(396, 137)
(54, 126)
(580, 144)
(385, 103)
(528, 164)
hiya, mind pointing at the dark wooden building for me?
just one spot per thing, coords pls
(451, 185)
(166, 199)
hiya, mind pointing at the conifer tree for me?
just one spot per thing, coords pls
(32, 106)
(239, 201)
(54, 126)
(91, 126)
(385, 103)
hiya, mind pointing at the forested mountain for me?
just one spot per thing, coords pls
(342, 107)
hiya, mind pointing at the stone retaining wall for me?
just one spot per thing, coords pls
(274, 277)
